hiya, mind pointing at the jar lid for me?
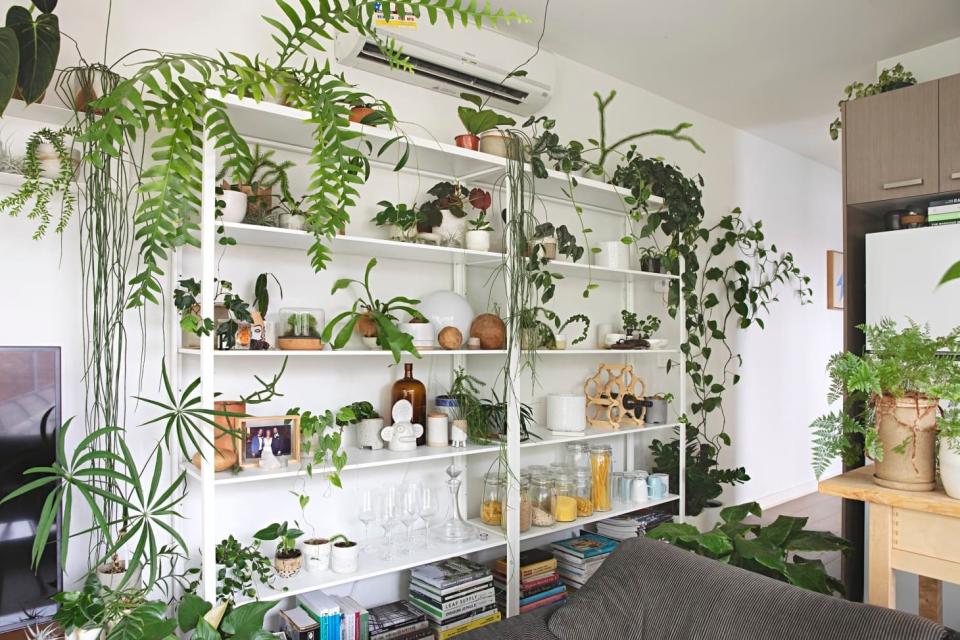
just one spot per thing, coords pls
(494, 476)
(578, 446)
(542, 481)
(598, 448)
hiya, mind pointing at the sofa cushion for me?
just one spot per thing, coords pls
(649, 590)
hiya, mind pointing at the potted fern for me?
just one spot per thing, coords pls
(891, 397)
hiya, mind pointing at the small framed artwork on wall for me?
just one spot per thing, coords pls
(836, 287)
(270, 443)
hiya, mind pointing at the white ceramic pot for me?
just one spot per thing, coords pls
(950, 470)
(438, 430)
(291, 221)
(85, 634)
(567, 412)
(602, 331)
(424, 336)
(658, 343)
(613, 255)
(368, 433)
(711, 515)
(447, 309)
(451, 230)
(478, 240)
(345, 559)
(113, 581)
(317, 556)
(494, 143)
(371, 343)
(234, 205)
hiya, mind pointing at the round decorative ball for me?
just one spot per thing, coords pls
(450, 338)
(491, 331)
(447, 309)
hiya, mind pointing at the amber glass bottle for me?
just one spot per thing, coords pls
(410, 389)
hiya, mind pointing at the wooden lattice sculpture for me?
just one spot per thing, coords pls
(612, 397)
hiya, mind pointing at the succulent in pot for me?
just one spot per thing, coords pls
(290, 213)
(476, 120)
(345, 555)
(288, 558)
(891, 398)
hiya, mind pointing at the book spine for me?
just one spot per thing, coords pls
(541, 596)
(454, 582)
(400, 633)
(438, 598)
(429, 588)
(438, 615)
(543, 603)
(454, 604)
(443, 634)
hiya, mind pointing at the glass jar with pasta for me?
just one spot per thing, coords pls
(584, 492)
(601, 458)
(491, 511)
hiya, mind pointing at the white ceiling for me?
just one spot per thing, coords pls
(773, 67)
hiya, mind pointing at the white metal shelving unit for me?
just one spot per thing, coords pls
(282, 127)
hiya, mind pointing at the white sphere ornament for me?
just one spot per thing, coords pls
(447, 309)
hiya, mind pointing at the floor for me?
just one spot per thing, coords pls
(824, 515)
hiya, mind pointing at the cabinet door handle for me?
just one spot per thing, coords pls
(903, 183)
(955, 175)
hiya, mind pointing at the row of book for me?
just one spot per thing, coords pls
(579, 558)
(319, 616)
(540, 584)
(455, 596)
(945, 211)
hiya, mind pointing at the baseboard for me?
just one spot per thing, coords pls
(786, 495)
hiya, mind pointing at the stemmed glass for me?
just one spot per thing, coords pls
(409, 512)
(389, 519)
(368, 512)
(428, 508)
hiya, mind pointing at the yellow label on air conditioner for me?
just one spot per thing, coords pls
(393, 20)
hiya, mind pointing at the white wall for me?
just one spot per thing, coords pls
(798, 199)
(936, 61)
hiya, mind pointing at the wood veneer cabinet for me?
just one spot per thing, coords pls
(891, 144)
(950, 133)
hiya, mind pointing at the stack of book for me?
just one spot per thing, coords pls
(398, 621)
(455, 595)
(632, 525)
(944, 211)
(579, 558)
(356, 619)
(540, 584)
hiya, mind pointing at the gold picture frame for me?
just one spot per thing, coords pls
(836, 285)
(258, 433)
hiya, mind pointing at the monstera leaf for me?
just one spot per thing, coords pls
(39, 42)
(9, 65)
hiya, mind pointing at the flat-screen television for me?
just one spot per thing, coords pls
(29, 388)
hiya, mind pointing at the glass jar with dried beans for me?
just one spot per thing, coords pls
(526, 510)
(542, 501)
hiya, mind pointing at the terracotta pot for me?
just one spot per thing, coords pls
(226, 453)
(914, 420)
(367, 326)
(468, 141)
(357, 114)
(288, 567)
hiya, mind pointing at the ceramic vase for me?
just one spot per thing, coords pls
(114, 581)
(368, 433)
(478, 240)
(950, 469)
(234, 205)
(288, 567)
(495, 143)
(316, 552)
(293, 222)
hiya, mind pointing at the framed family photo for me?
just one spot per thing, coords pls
(269, 442)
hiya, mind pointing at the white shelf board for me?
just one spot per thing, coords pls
(356, 459)
(618, 509)
(289, 126)
(47, 114)
(11, 179)
(584, 270)
(372, 566)
(368, 353)
(604, 352)
(255, 235)
(591, 433)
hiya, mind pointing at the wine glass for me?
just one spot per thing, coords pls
(389, 519)
(428, 508)
(409, 512)
(368, 512)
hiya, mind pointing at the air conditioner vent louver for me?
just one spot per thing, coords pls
(446, 75)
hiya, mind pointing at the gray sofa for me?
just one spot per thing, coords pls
(649, 590)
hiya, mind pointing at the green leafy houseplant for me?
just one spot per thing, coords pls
(547, 149)
(402, 218)
(537, 333)
(890, 80)
(477, 119)
(239, 569)
(321, 437)
(900, 364)
(770, 550)
(286, 537)
(378, 316)
(186, 298)
(648, 326)
(29, 48)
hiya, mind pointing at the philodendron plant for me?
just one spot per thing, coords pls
(768, 550)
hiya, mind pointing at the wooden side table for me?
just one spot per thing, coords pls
(918, 532)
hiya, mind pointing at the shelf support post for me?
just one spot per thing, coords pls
(682, 391)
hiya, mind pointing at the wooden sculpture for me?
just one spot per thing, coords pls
(612, 397)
